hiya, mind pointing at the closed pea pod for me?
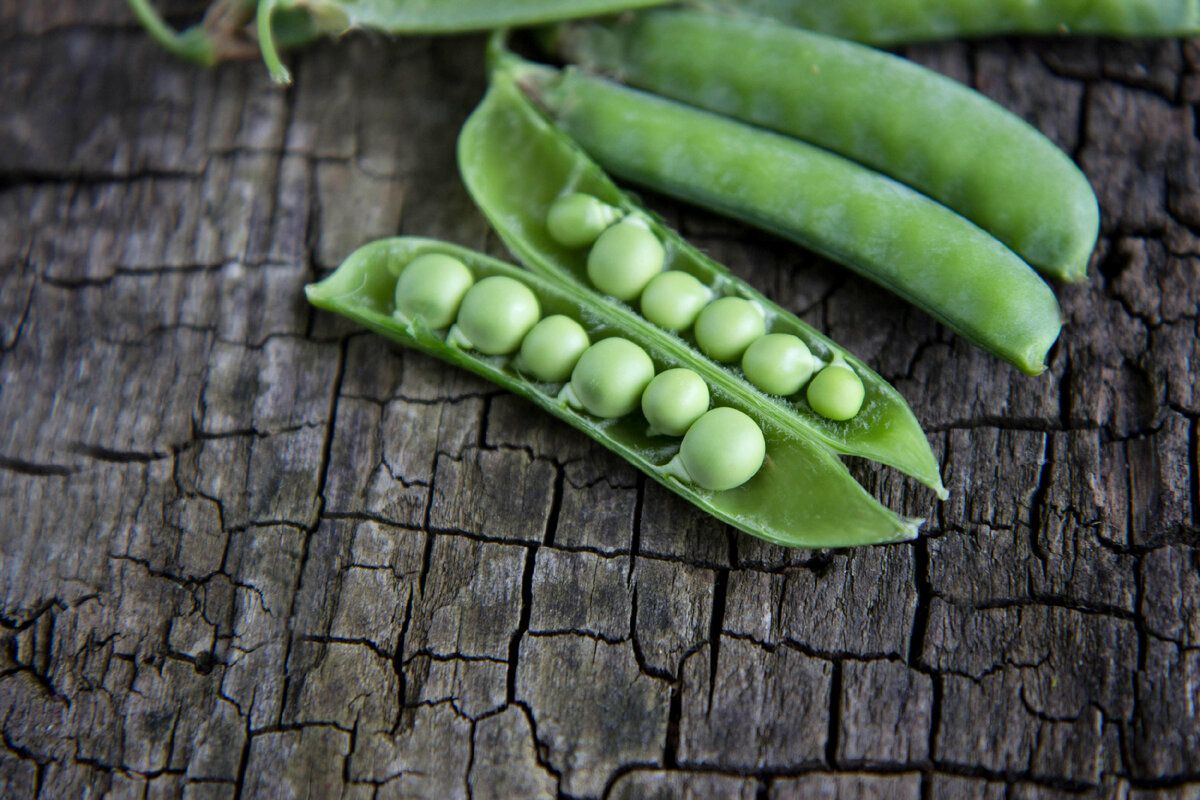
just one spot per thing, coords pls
(515, 163)
(802, 496)
(309, 19)
(452, 16)
(921, 128)
(674, 400)
(289, 23)
(495, 315)
(910, 244)
(552, 348)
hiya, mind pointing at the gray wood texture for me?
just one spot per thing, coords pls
(249, 551)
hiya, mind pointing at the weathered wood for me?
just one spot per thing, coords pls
(251, 551)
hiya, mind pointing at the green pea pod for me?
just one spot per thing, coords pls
(890, 22)
(425, 16)
(908, 122)
(282, 24)
(444, 16)
(882, 229)
(802, 495)
(515, 163)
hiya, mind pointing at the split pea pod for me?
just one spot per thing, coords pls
(801, 495)
(921, 128)
(890, 22)
(515, 164)
(914, 246)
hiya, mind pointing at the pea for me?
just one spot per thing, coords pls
(495, 315)
(673, 299)
(722, 450)
(610, 376)
(779, 363)
(624, 259)
(551, 349)
(575, 220)
(836, 393)
(674, 400)
(431, 288)
(726, 327)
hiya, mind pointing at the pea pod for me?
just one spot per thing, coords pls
(890, 22)
(877, 226)
(919, 127)
(425, 16)
(801, 496)
(225, 33)
(515, 164)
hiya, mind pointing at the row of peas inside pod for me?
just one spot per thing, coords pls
(626, 261)
(722, 448)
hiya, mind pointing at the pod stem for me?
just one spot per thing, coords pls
(194, 44)
(279, 73)
(526, 74)
(497, 54)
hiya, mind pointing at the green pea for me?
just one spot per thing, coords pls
(610, 377)
(431, 288)
(624, 259)
(575, 220)
(551, 349)
(836, 393)
(495, 315)
(673, 299)
(779, 363)
(722, 450)
(674, 400)
(726, 327)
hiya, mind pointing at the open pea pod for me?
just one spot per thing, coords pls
(515, 163)
(873, 224)
(801, 496)
(917, 126)
(891, 22)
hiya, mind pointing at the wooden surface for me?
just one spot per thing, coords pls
(247, 550)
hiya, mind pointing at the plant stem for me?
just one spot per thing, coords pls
(193, 44)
